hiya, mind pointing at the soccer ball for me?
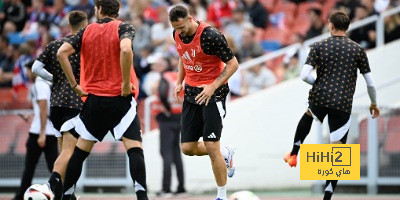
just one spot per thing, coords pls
(38, 192)
(244, 195)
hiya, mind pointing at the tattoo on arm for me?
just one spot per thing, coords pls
(223, 73)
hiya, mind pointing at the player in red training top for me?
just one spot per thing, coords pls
(203, 50)
(107, 79)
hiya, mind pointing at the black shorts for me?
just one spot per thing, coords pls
(202, 121)
(339, 121)
(60, 115)
(100, 115)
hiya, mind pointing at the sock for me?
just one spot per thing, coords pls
(138, 172)
(222, 192)
(73, 172)
(330, 186)
(56, 186)
(303, 128)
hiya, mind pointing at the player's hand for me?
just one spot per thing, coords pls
(205, 96)
(177, 90)
(79, 91)
(42, 140)
(127, 89)
(374, 110)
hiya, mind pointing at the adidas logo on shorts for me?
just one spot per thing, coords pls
(212, 135)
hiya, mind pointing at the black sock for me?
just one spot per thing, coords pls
(330, 186)
(138, 172)
(303, 128)
(73, 172)
(56, 186)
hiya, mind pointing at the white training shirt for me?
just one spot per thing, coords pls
(40, 90)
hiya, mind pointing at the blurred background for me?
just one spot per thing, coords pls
(271, 40)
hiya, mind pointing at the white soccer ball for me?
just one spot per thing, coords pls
(244, 195)
(38, 192)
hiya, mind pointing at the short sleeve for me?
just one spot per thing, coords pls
(42, 89)
(214, 42)
(76, 40)
(126, 31)
(363, 64)
(312, 58)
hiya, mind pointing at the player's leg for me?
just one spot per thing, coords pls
(50, 151)
(32, 156)
(177, 159)
(124, 122)
(74, 167)
(166, 145)
(218, 166)
(213, 115)
(303, 129)
(339, 124)
(58, 175)
(91, 128)
(62, 118)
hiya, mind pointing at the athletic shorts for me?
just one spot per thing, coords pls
(202, 121)
(61, 115)
(339, 121)
(100, 115)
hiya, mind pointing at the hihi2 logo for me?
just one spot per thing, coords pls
(330, 162)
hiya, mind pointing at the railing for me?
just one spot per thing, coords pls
(302, 48)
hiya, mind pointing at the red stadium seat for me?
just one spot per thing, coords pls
(7, 132)
(392, 141)
(6, 98)
(268, 4)
(363, 137)
(275, 34)
(286, 7)
(303, 8)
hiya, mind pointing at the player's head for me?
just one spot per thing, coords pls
(339, 21)
(180, 19)
(77, 19)
(106, 8)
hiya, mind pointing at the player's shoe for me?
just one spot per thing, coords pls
(229, 160)
(221, 199)
(290, 159)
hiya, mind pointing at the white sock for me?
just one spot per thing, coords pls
(222, 192)
(225, 152)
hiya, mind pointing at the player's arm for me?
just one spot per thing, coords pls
(72, 45)
(305, 74)
(126, 59)
(225, 54)
(38, 69)
(363, 66)
(181, 77)
(126, 34)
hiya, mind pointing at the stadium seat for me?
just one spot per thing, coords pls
(392, 141)
(301, 25)
(303, 8)
(363, 136)
(7, 132)
(268, 4)
(6, 98)
(288, 8)
(275, 34)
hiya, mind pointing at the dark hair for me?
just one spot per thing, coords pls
(178, 12)
(76, 18)
(4, 39)
(340, 20)
(317, 11)
(109, 8)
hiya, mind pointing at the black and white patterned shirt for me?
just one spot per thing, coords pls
(336, 60)
(62, 94)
